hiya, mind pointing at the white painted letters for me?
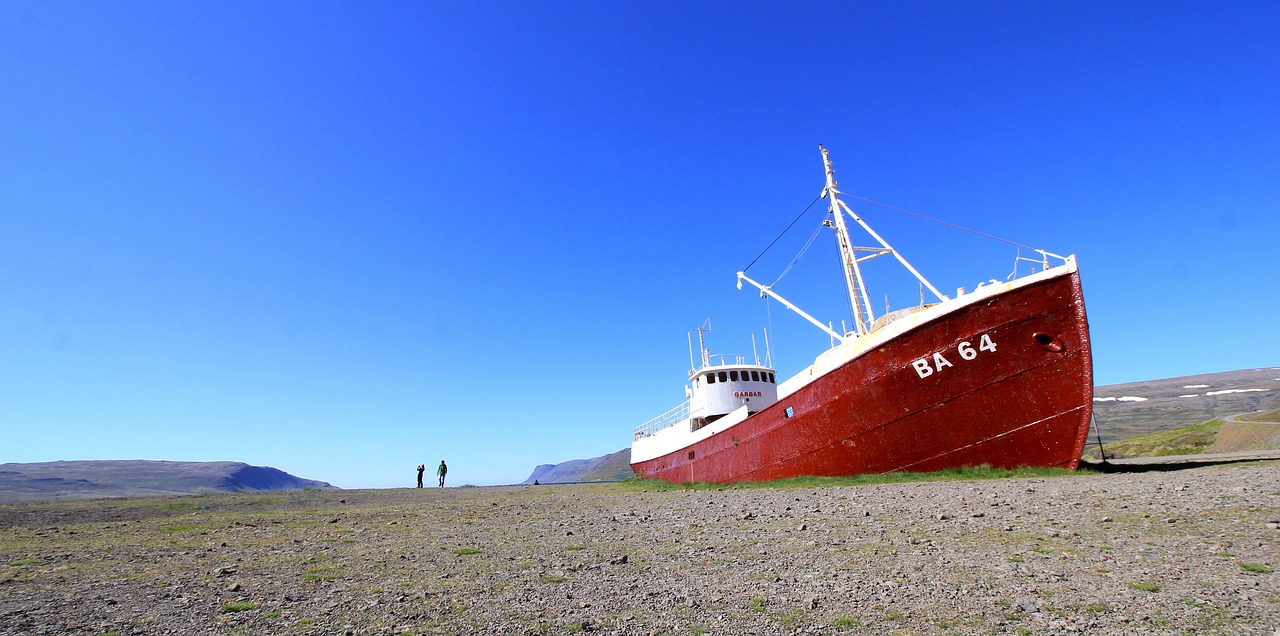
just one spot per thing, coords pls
(965, 350)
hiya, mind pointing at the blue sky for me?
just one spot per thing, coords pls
(343, 239)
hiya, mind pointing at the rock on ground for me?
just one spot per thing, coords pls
(1156, 553)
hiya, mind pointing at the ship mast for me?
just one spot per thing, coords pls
(859, 302)
(859, 299)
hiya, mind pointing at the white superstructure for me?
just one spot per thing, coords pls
(720, 395)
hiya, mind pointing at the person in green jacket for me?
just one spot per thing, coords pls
(442, 471)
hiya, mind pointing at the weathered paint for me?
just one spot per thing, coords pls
(1028, 403)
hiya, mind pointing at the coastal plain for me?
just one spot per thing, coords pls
(1188, 551)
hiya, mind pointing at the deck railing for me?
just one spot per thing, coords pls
(670, 418)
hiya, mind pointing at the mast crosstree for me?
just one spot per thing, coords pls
(859, 297)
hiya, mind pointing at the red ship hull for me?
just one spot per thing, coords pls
(929, 399)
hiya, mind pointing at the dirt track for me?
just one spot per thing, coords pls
(1151, 553)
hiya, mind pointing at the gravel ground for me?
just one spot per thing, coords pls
(1190, 551)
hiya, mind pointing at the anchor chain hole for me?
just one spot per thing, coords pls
(1048, 342)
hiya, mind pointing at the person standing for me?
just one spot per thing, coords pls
(422, 468)
(442, 471)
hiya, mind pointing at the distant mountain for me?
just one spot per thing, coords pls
(1137, 408)
(611, 467)
(54, 481)
(1121, 410)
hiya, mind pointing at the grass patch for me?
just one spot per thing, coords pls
(845, 622)
(756, 605)
(1255, 568)
(321, 574)
(791, 620)
(231, 608)
(466, 551)
(1210, 436)
(1184, 440)
(969, 473)
(1269, 416)
(183, 527)
(554, 579)
(175, 506)
(1143, 586)
(575, 547)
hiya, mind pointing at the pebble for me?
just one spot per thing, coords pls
(1043, 555)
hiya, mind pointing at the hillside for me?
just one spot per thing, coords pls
(55, 481)
(612, 467)
(1260, 431)
(1137, 408)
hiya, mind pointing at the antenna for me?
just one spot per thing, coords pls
(768, 350)
(692, 369)
(706, 355)
(755, 354)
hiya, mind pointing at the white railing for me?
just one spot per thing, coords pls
(670, 418)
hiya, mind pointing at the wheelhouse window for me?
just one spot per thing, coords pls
(724, 377)
(755, 376)
(771, 381)
(711, 378)
(733, 376)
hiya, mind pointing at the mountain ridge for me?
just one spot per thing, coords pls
(92, 479)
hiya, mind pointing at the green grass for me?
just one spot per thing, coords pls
(756, 605)
(969, 473)
(183, 527)
(1255, 568)
(1269, 416)
(845, 622)
(554, 579)
(1143, 586)
(242, 606)
(321, 574)
(1185, 440)
(466, 551)
(791, 620)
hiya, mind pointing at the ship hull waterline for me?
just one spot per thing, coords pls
(932, 398)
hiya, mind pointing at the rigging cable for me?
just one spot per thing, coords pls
(753, 261)
(927, 218)
(807, 244)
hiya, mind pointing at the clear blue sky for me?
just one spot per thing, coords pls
(343, 239)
